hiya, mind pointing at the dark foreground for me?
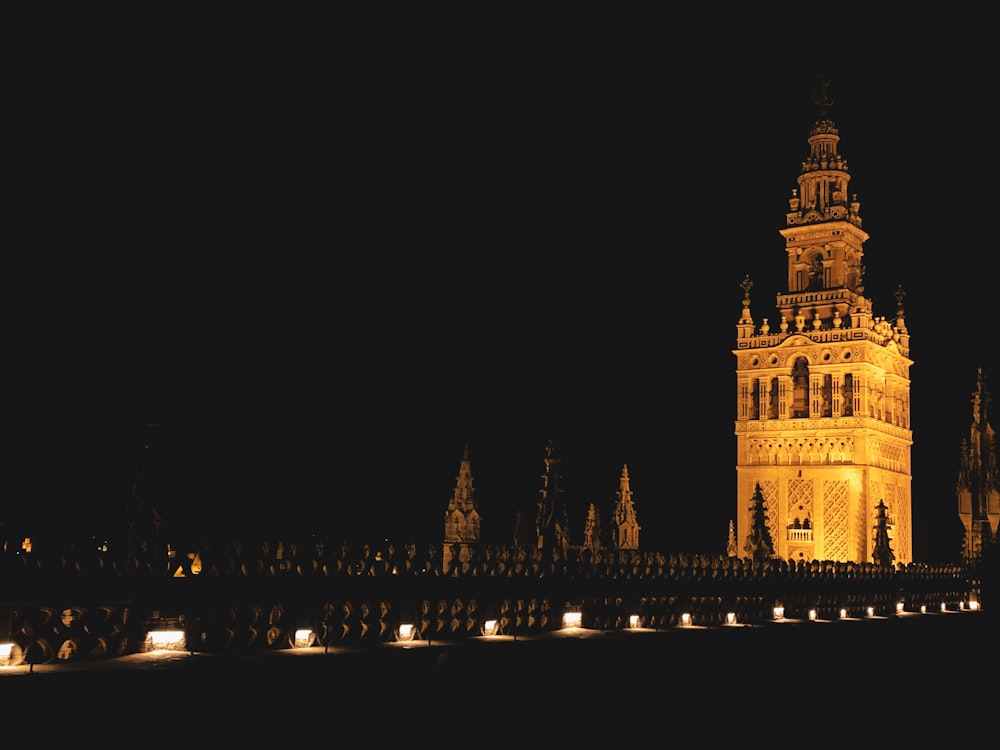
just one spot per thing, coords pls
(845, 679)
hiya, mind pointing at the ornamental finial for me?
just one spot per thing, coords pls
(900, 295)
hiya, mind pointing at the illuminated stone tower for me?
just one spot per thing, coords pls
(461, 521)
(823, 394)
(626, 525)
(979, 477)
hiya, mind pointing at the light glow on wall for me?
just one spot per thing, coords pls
(572, 619)
(406, 632)
(165, 640)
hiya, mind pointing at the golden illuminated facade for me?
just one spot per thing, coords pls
(823, 388)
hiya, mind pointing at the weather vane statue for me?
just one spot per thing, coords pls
(821, 94)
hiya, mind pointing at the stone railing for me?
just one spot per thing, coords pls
(223, 604)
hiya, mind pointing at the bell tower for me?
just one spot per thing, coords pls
(823, 397)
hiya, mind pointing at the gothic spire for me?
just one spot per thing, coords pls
(551, 522)
(462, 521)
(732, 550)
(626, 524)
(978, 484)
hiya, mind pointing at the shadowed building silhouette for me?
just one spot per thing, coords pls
(552, 520)
(882, 553)
(979, 477)
(759, 546)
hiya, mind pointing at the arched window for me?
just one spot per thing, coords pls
(816, 271)
(826, 397)
(848, 391)
(800, 388)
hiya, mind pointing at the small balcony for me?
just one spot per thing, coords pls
(800, 535)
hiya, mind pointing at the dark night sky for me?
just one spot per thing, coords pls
(324, 274)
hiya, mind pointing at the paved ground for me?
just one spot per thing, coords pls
(915, 673)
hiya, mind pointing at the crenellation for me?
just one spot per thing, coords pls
(766, 338)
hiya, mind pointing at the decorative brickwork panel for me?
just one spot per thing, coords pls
(814, 451)
(899, 512)
(770, 490)
(800, 501)
(836, 507)
(860, 531)
(888, 456)
(897, 515)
